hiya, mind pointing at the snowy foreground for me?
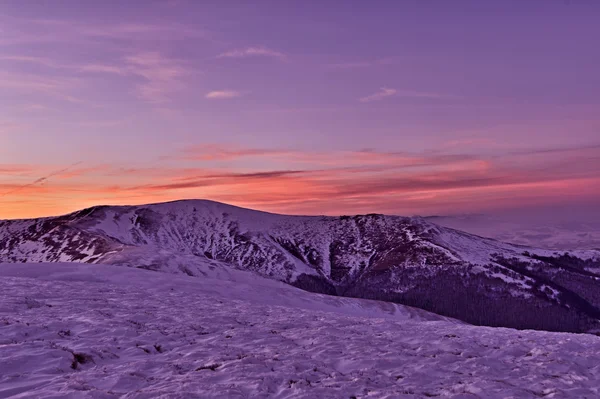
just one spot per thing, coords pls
(94, 331)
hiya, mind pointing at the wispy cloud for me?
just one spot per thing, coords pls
(17, 31)
(102, 68)
(130, 31)
(349, 182)
(9, 127)
(34, 107)
(11, 80)
(57, 87)
(161, 76)
(347, 160)
(16, 169)
(39, 180)
(47, 62)
(470, 142)
(253, 52)
(121, 49)
(214, 152)
(222, 94)
(50, 63)
(380, 95)
(356, 187)
(385, 92)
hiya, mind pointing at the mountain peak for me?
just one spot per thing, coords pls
(406, 260)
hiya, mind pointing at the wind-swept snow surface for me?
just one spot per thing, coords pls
(95, 331)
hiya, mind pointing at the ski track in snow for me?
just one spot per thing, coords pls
(143, 334)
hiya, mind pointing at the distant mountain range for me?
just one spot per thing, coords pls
(557, 231)
(411, 261)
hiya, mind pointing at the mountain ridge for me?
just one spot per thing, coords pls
(407, 260)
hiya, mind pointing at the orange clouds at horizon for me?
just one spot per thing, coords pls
(357, 182)
(57, 200)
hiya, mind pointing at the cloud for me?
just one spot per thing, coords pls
(471, 142)
(222, 94)
(23, 81)
(101, 68)
(10, 126)
(50, 84)
(47, 62)
(214, 152)
(161, 76)
(470, 185)
(594, 147)
(57, 87)
(214, 180)
(129, 31)
(361, 159)
(253, 52)
(388, 92)
(380, 95)
(39, 180)
(15, 169)
(369, 174)
(18, 31)
(365, 160)
(342, 182)
(34, 107)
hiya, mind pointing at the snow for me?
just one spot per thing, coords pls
(204, 220)
(216, 214)
(509, 280)
(97, 331)
(224, 283)
(252, 239)
(558, 230)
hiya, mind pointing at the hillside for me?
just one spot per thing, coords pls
(101, 331)
(404, 260)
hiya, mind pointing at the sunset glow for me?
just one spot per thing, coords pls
(319, 110)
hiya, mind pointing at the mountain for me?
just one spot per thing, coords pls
(569, 232)
(410, 261)
(101, 331)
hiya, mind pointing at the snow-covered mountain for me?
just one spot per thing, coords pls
(405, 260)
(101, 331)
(543, 230)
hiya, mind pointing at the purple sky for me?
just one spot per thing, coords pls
(405, 107)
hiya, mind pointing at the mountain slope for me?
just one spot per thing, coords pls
(552, 228)
(69, 331)
(404, 260)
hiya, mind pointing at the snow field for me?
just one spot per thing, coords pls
(95, 331)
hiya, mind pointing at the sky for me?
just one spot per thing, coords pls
(301, 107)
